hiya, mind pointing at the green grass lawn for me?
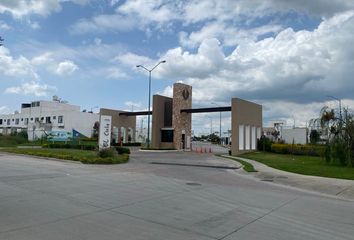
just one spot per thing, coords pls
(246, 165)
(307, 165)
(83, 156)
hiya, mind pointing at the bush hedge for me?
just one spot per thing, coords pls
(70, 146)
(107, 153)
(88, 159)
(123, 150)
(298, 149)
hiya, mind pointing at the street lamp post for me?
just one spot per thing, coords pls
(219, 122)
(149, 70)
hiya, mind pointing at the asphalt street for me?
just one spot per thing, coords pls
(159, 196)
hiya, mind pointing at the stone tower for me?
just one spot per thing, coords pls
(181, 122)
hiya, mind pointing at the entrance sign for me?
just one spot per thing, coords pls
(105, 132)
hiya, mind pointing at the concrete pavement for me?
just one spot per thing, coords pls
(330, 186)
(46, 199)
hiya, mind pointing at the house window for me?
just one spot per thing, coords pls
(60, 119)
(26, 121)
(47, 120)
(31, 119)
(36, 119)
(0, 121)
(54, 117)
(21, 119)
(8, 121)
(17, 121)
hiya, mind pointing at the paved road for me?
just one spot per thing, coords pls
(46, 199)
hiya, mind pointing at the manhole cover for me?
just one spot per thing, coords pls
(193, 184)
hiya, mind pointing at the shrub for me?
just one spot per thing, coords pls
(298, 149)
(123, 150)
(107, 153)
(70, 146)
(265, 143)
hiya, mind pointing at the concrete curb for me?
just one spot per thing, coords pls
(159, 151)
(339, 188)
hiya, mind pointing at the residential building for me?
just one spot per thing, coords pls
(41, 116)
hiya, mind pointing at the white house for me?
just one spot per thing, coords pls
(40, 116)
(295, 135)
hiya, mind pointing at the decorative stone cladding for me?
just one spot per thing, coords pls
(181, 122)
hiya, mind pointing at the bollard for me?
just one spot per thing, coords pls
(210, 150)
(201, 150)
(196, 150)
(205, 150)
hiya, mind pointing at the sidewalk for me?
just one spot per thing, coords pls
(330, 186)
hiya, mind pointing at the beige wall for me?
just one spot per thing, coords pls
(245, 113)
(158, 120)
(121, 121)
(181, 122)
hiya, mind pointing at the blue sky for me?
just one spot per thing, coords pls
(286, 55)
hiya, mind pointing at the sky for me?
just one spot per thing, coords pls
(286, 55)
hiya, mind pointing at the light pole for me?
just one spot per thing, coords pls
(211, 125)
(219, 121)
(149, 70)
(93, 108)
(340, 106)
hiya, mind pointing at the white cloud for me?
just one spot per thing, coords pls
(229, 35)
(4, 26)
(162, 15)
(298, 66)
(31, 88)
(103, 23)
(34, 25)
(4, 110)
(132, 60)
(115, 73)
(134, 106)
(180, 64)
(15, 67)
(66, 67)
(20, 8)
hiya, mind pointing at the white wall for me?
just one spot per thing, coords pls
(72, 118)
(299, 135)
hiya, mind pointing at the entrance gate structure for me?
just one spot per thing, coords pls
(172, 120)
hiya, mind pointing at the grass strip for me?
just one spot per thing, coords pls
(307, 165)
(248, 167)
(84, 156)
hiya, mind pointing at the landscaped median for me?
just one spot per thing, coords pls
(307, 165)
(90, 157)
